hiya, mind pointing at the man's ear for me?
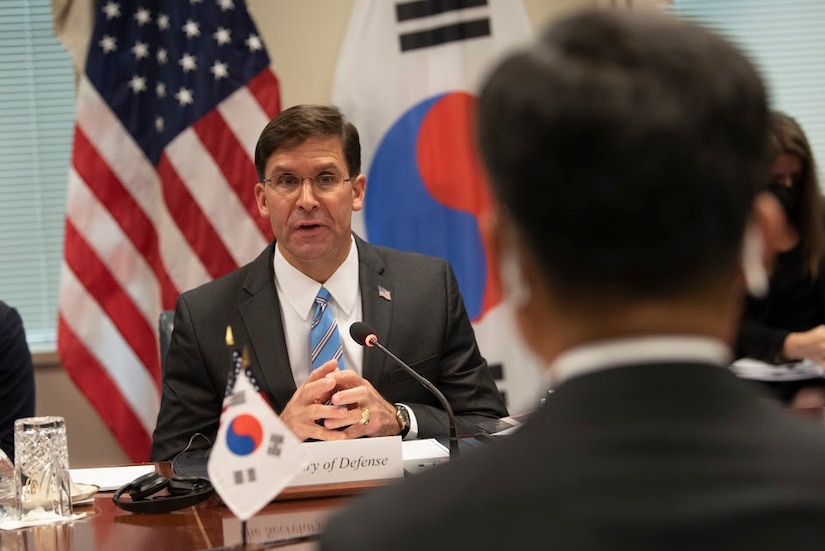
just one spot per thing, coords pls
(359, 190)
(753, 261)
(761, 241)
(523, 289)
(509, 252)
(769, 216)
(260, 199)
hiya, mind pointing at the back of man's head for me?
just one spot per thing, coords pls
(627, 148)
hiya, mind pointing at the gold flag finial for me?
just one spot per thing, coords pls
(230, 341)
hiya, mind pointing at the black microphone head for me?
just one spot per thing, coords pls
(360, 332)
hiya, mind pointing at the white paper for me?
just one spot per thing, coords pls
(417, 450)
(420, 455)
(110, 478)
(750, 368)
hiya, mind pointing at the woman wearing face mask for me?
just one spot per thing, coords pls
(787, 326)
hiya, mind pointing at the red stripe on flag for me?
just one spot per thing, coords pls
(108, 189)
(193, 223)
(264, 86)
(107, 292)
(95, 383)
(229, 155)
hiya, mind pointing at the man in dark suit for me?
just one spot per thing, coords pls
(16, 376)
(625, 150)
(308, 160)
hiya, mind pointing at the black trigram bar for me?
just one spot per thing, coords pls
(237, 399)
(442, 35)
(425, 8)
(240, 477)
(275, 442)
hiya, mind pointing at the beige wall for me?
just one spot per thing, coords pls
(303, 37)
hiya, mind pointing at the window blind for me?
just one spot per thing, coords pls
(786, 40)
(37, 107)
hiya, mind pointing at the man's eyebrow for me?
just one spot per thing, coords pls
(285, 169)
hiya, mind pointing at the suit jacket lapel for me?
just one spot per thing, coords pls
(377, 310)
(261, 315)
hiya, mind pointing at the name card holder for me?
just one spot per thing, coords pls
(357, 460)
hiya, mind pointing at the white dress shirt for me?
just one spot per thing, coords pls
(297, 293)
(610, 354)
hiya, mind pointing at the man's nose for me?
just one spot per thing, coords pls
(306, 194)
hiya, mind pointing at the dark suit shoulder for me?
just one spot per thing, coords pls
(237, 284)
(11, 324)
(601, 467)
(399, 261)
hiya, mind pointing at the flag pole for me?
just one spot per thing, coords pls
(255, 454)
(245, 364)
(230, 343)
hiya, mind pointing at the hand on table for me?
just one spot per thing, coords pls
(341, 398)
(364, 403)
(309, 403)
(807, 344)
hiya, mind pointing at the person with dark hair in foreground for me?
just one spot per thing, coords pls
(787, 326)
(625, 150)
(293, 306)
(16, 376)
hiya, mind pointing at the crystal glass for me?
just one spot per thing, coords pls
(9, 504)
(42, 465)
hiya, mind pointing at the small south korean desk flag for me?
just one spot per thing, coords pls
(255, 455)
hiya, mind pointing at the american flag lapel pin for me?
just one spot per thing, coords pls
(384, 293)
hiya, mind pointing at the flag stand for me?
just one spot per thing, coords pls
(255, 454)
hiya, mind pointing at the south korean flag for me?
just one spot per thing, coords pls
(255, 455)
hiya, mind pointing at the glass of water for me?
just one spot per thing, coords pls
(42, 465)
(9, 504)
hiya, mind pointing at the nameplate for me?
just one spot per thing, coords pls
(271, 527)
(351, 461)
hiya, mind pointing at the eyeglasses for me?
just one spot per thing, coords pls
(288, 184)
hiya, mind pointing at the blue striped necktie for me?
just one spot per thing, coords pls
(325, 341)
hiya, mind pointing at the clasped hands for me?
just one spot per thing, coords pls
(340, 398)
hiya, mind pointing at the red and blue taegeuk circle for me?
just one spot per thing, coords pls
(427, 193)
(244, 434)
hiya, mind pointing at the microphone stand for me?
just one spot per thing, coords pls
(454, 453)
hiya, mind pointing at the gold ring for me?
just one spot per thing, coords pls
(365, 416)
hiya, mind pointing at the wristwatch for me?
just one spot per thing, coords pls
(403, 417)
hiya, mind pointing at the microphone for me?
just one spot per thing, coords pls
(365, 335)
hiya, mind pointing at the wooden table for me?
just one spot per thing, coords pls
(108, 528)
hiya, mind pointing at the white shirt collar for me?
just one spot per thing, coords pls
(300, 290)
(608, 354)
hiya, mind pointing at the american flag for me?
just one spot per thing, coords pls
(160, 195)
